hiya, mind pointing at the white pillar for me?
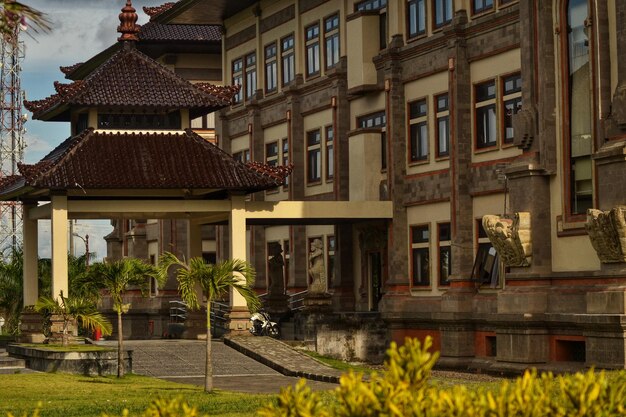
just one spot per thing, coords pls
(237, 230)
(29, 248)
(59, 245)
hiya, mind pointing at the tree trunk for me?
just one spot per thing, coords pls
(208, 372)
(120, 346)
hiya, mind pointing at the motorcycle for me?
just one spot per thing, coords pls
(261, 325)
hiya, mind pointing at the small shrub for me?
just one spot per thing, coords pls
(175, 407)
(402, 391)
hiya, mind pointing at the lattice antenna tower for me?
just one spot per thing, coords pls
(11, 134)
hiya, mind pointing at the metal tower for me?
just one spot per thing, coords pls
(11, 134)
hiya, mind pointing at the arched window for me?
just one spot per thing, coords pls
(580, 110)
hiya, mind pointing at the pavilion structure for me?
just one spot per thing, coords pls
(133, 155)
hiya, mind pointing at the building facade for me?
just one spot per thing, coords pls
(453, 110)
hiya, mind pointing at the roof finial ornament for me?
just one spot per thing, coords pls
(128, 27)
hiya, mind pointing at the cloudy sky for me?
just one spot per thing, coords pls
(80, 29)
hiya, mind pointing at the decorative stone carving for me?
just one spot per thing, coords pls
(317, 271)
(510, 237)
(607, 232)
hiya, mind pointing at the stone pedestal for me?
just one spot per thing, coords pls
(57, 335)
(195, 325)
(522, 345)
(239, 321)
(31, 328)
(317, 302)
(277, 305)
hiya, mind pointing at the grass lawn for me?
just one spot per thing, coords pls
(64, 395)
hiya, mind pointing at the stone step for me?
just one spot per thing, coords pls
(16, 370)
(9, 362)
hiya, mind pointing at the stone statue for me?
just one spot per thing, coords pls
(607, 232)
(510, 238)
(276, 270)
(317, 271)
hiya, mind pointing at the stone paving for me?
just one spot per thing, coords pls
(283, 358)
(184, 360)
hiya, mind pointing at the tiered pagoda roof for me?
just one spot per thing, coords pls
(110, 161)
(96, 160)
(155, 34)
(131, 79)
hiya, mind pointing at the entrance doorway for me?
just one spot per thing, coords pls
(375, 278)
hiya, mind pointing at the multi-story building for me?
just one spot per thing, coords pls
(453, 110)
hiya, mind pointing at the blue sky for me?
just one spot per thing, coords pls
(80, 29)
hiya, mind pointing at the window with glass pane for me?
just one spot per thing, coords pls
(420, 255)
(486, 268)
(312, 38)
(238, 78)
(443, 10)
(580, 108)
(271, 153)
(416, 10)
(479, 6)
(418, 128)
(370, 5)
(331, 39)
(314, 156)
(485, 112)
(288, 59)
(445, 241)
(242, 156)
(512, 103)
(443, 125)
(250, 72)
(271, 71)
(330, 152)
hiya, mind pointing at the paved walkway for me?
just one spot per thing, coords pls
(183, 361)
(283, 358)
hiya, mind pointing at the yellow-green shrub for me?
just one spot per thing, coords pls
(402, 391)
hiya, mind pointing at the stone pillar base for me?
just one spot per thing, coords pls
(56, 330)
(195, 325)
(277, 305)
(314, 302)
(239, 321)
(522, 345)
(459, 298)
(31, 328)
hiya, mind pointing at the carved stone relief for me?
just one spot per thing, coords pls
(510, 237)
(607, 232)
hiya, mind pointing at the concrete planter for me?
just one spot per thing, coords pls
(101, 362)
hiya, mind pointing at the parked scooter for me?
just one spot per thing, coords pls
(261, 325)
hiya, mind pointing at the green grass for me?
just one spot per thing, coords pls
(339, 364)
(64, 395)
(69, 348)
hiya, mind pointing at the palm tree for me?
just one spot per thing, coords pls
(215, 280)
(14, 14)
(117, 277)
(81, 309)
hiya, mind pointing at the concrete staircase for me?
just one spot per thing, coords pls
(10, 365)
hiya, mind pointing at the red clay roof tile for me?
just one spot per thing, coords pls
(153, 31)
(101, 160)
(157, 10)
